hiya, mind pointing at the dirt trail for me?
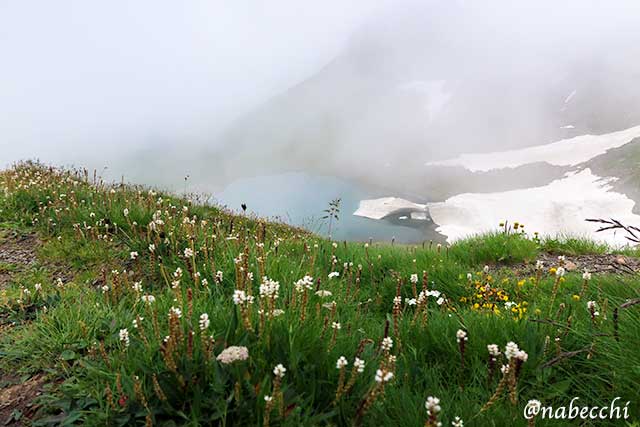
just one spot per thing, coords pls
(17, 395)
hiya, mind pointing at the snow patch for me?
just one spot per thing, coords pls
(385, 206)
(566, 152)
(559, 207)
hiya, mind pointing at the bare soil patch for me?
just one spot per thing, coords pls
(596, 263)
(17, 253)
(17, 398)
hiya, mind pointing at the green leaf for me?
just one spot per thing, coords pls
(68, 355)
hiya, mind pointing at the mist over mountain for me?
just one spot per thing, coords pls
(430, 80)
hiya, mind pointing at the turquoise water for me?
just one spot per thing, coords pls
(299, 199)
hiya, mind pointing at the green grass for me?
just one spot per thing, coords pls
(75, 339)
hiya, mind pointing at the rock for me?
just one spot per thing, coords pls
(570, 266)
(621, 260)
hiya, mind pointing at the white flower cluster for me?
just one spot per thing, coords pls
(149, 299)
(204, 321)
(560, 272)
(240, 297)
(387, 344)
(279, 370)
(342, 362)
(586, 275)
(383, 376)
(269, 288)
(461, 336)
(124, 337)
(233, 354)
(513, 351)
(433, 405)
(333, 274)
(336, 325)
(494, 350)
(305, 283)
(323, 293)
(359, 365)
(414, 278)
(175, 311)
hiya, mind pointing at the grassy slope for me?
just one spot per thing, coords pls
(76, 339)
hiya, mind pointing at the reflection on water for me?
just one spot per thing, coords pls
(299, 199)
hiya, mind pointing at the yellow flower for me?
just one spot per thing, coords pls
(553, 270)
(537, 312)
(576, 297)
(521, 283)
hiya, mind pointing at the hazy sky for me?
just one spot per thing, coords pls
(85, 76)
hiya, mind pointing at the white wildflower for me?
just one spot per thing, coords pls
(433, 405)
(124, 337)
(493, 350)
(305, 283)
(279, 370)
(233, 354)
(342, 362)
(204, 321)
(323, 293)
(511, 350)
(149, 299)
(383, 376)
(387, 344)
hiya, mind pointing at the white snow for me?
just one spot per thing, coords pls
(568, 127)
(566, 152)
(385, 206)
(560, 207)
(422, 216)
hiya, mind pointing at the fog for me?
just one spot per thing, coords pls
(94, 82)
(361, 90)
